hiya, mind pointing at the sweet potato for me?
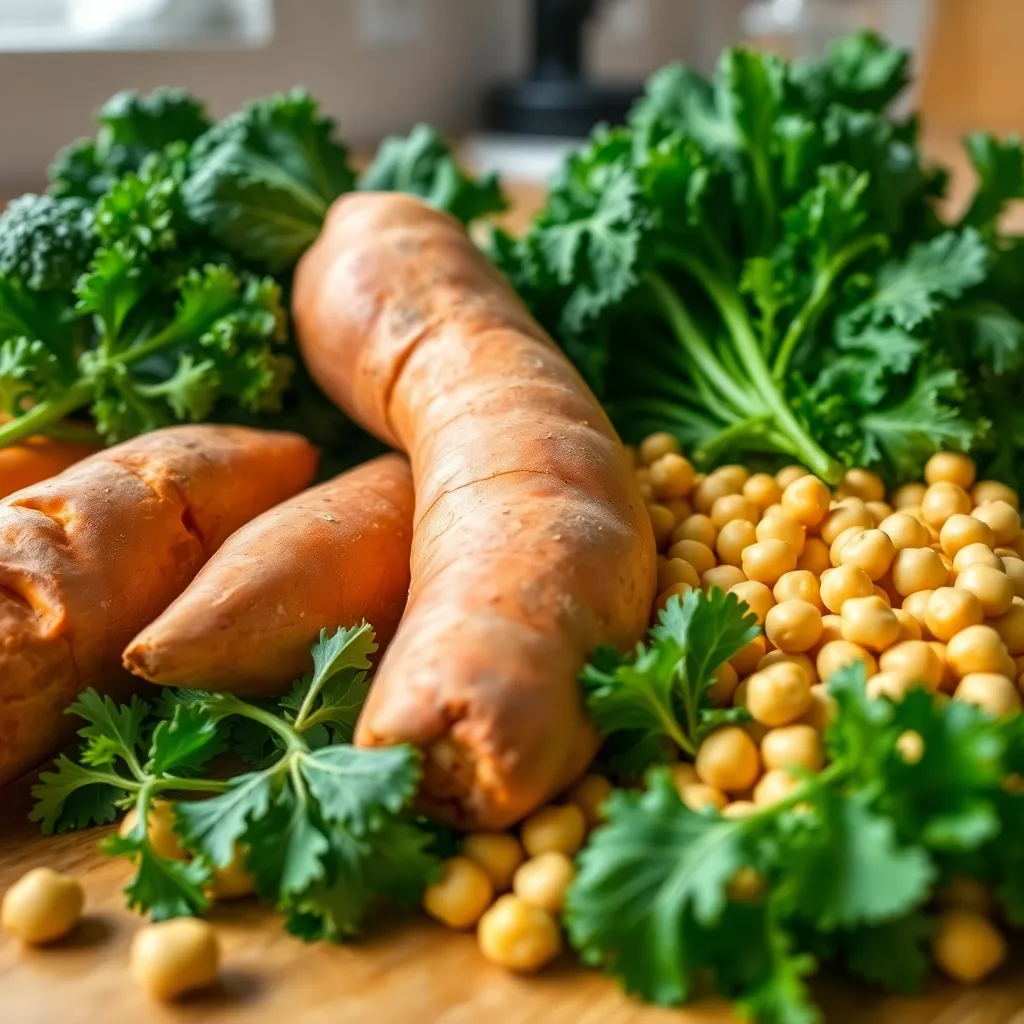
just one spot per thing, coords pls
(531, 544)
(36, 459)
(90, 556)
(330, 556)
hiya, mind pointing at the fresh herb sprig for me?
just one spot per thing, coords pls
(325, 827)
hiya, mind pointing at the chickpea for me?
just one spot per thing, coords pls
(646, 491)
(992, 588)
(724, 577)
(790, 474)
(677, 570)
(951, 609)
(872, 550)
(793, 745)
(781, 527)
(843, 584)
(662, 523)
(822, 710)
(915, 569)
(836, 550)
(711, 488)
(904, 531)
(1002, 518)
(558, 827)
(916, 606)
(722, 689)
(807, 500)
(915, 661)
(172, 958)
(976, 554)
(160, 830)
(733, 538)
(908, 496)
(696, 527)
(976, 649)
(775, 510)
(698, 796)
(679, 590)
(728, 760)
(739, 809)
(589, 794)
(778, 694)
(683, 774)
(680, 509)
(763, 490)
(880, 511)
(966, 945)
(1014, 568)
(840, 653)
(42, 906)
(793, 626)
(831, 629)
(815, 557)
(517, 936)
(1011, 628)
(863, 484)
(757, 596)
(699, 555)
(462, 893)
(958, 531)
(731, 507)
(542, 881)
(845, 517)
(888, 684)
(773, 786)
(498, 853)
(950, 467)
(747, 885)
(642, 475)
(656, 446)
(992, 490)
(672, 476)
(870, 622)
(767, 560)
(745, 660)
(798, 585)
(233, 881)
(993, 693)
(910, 628)
(910, 746)
(801, 660)
(942, 500)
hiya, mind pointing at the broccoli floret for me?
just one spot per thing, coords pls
(45, 242)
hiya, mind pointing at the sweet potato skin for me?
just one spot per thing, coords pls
(531, 545)
(36, 459)
(89, 556)
(328, 557)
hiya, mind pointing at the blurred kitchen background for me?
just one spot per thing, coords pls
(381, 65)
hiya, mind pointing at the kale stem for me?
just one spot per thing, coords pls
(707, 451)
(805, 320)
(73, 433)
(44, 414)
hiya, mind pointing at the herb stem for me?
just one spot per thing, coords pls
(44, 414)
(233, 706)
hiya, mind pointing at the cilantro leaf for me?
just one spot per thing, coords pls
(110, 731)
(184, 743)
(74, 797)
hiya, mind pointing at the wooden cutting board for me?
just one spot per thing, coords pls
(408, 971)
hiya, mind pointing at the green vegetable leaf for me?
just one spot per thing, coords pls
(999, 165)
(74, 797)
(110, 731)
(186, 742)
(893, 954)
(46, 243)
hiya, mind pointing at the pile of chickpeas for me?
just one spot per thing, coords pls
(925, 586)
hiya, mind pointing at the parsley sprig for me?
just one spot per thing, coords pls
(325, 827)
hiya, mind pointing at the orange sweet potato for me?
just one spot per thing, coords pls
(36, 459)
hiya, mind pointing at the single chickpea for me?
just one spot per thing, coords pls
(739, 809)
(233, 881)
(843, 584)
(831, 629)
(757, 597)
(1011, 628)
(942, 500)
(992, 588)
(173, 958)
(966, 945)
(991, 692)
(662, 523)
(1014, 568)
(835, 552)
(698, 796)
(745, 660)
(699, 555)
(976, 649)
(815, 557)
(872, 550)
(683, 774)
(722, 689)
(731, 507)
(915, 661)
(722, 577)
(951, 609)
(790, 474)
(160, 830)
(796, 746)
(910, 628)
(992, 490)
(793, 626)
(733, 538)
(798, 585)
(559, 827)
(591, 792)
(767, 560)
(42, 906)
(869, 622)
(958, 531)
(880, 511)
(916, 606)
(840, 653)
(779, 526)
(763, 490)
(679, 590)
(861, 483)
(904, 531)
(517, 936)
(498, 853)
(888, 684)
(696, 527)
(714, 486)
(778, 695)
(1002, 519)
(735, 474)
(807, 500)
(462, 893)
(801, 660)
(952, 468)
(823, 708)
(908, 496)
(773, 786)
(677, 570)
(656, 446)
(728, 760)
(746, 886)
(542, 881)
(846, 516)
(915, 569)
(774, 510)
(976, 554)
(672, 476)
